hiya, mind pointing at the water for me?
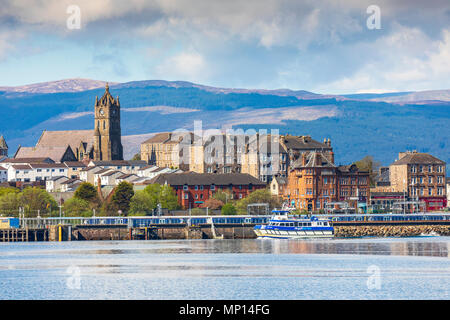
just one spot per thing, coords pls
(371, 268)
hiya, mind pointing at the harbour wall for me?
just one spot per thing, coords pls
(177, 232)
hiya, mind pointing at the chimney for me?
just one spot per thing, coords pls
(303, 159)
(329, 142)
(331, 157)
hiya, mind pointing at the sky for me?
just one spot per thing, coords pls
(323, 46)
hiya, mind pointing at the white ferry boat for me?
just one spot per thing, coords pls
(283, 226)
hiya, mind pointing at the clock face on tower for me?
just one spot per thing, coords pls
(102, 112)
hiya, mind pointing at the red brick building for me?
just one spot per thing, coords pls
(193, 189)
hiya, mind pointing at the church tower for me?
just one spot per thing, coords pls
(107, 134)
(3, 147)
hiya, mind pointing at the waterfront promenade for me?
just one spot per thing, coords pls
(214, 227)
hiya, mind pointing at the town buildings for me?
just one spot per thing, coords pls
(168, 150)
(314, 182)
(102, 143)
(260, 155)
(422, 177)
(193, 189)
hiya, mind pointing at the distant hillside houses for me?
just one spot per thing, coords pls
(66, 176)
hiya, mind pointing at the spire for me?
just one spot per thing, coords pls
(3, 144)
(107, 87)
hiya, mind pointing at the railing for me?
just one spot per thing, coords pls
(136, 222)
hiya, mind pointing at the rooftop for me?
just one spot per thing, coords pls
(413, 157)
(193, 178)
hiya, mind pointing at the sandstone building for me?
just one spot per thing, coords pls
(421, 176)
(315, 181)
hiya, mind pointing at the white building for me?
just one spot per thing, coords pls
(109, 178)
(129, 177)
(88, 174)
(3, 174)
(70, 185)
(54, 184)
(126, 166)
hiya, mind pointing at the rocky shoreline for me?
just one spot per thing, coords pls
(389, 231)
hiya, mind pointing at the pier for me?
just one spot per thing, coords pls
(212, 227)
(23, 235)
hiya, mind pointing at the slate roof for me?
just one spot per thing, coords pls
(48, 165)
(193, 178)
(304, 143)
(28, 160)
(73, 138)
(417, 158)
(314, 160)
(52, 152)
(75, 164)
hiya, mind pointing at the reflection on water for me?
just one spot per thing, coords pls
(434, 247)
(411, 268)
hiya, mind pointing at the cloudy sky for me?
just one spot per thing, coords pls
(323, 46)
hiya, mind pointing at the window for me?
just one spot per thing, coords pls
(185, 187)
(186, 196)
(430, 168)
(430, 180)
(213, 187)
(196, 187)
(430, 191)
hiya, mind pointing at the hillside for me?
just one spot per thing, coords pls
(357, 124)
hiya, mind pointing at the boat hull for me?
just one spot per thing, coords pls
(293, 234)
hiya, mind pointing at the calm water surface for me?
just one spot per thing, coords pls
(371, 268)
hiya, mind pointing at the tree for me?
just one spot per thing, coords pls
(76, 207)
(258, 196)
(142, 204)
(122, 196)
(4, 191)
(165, 195)
(10, 203)
(86, 191)
(35, 199)
(137, 156)
(228, 209)
(212, 204)
(369, 164)
(222, 196)
(168, 198)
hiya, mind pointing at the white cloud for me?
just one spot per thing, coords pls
(189, 66)
(406, 60)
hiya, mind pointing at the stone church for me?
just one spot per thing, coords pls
(102, 143)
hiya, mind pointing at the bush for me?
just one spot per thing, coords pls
(76, 207)
(258, 196)
(228, 209)
(212, 204)
(142, 204)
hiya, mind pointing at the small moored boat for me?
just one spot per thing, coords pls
(283, 226)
